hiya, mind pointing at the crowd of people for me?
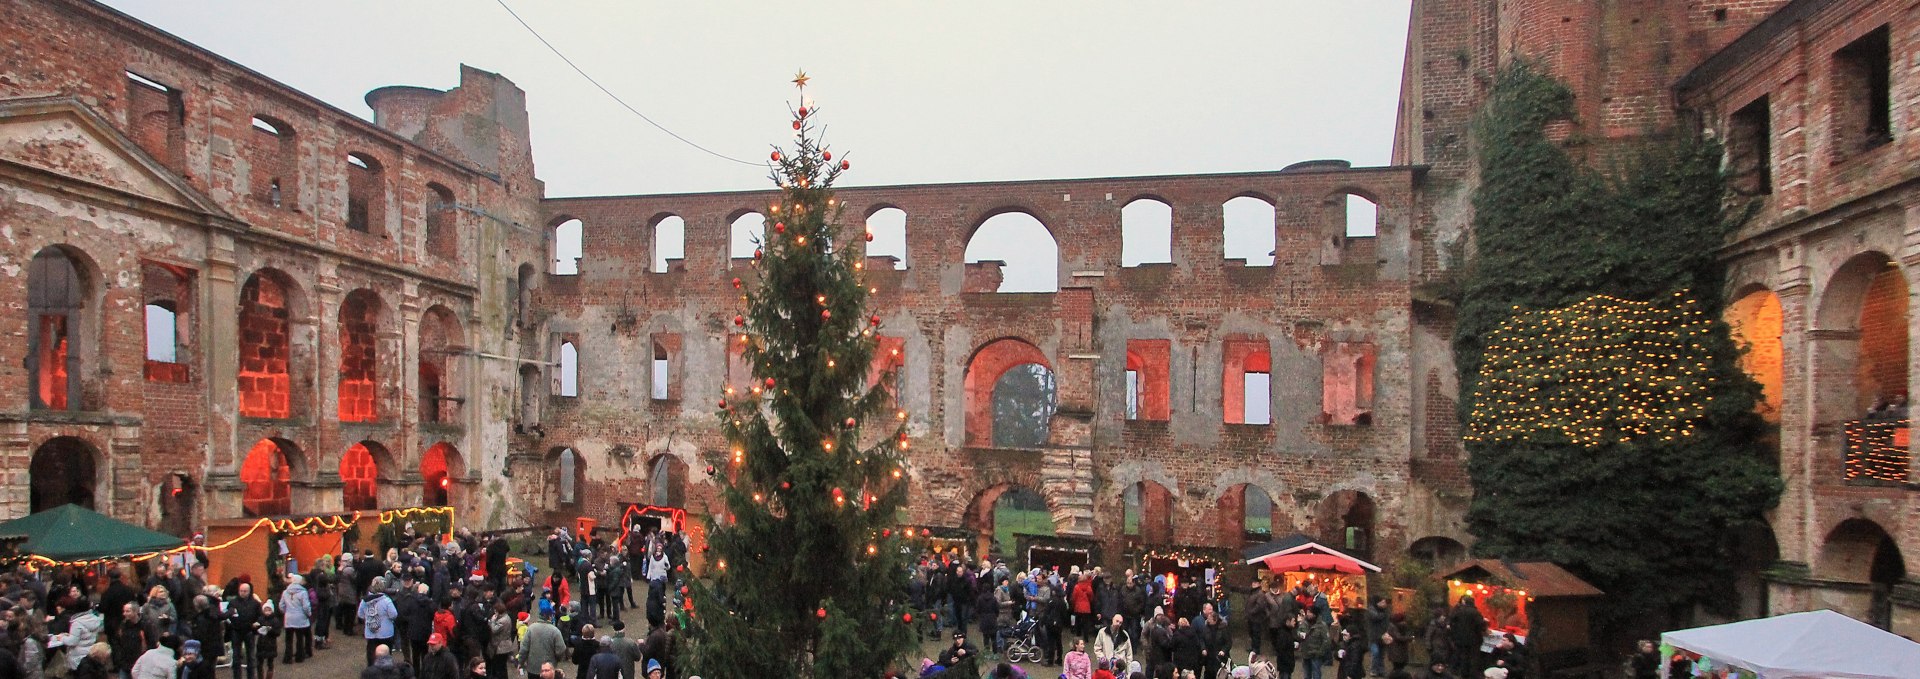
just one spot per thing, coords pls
(1094, 625)
(425, 608)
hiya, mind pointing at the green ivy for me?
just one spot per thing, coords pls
(1647, 521)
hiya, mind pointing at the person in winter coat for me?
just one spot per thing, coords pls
(376, 614)
(1080, 604)
(1352, 654)
(416, 623)
(129, 639)
(1158, 644)
(1286, 647)
(1316, 644)
(1219, 643)
(501, 643)
(1189, 649)
(319, 586)
(83, 630)
(1398, 642)
(1113, 642)
(157, 614)
(1077, 664)
(1259, 608)
(266, 632)
(97, 665)
(1466, 629)
(605, 663)
(243, 612)
(346, 599)
(296, 609)
(158, 662)
(1378, 619)
(196, 661)
(584, 648)
(438, 662)
(987, 607)
(543, 643)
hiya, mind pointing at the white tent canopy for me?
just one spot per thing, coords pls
(1812, 644)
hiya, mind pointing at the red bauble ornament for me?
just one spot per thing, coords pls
(822, 613)
(723, 404)
(756, 253)
(886, 532)
(849, 421)
(803, 111)
(826, 155)
(784, 485)
(796, 124)
(838, 493)
(739, 320)
(683, 589)
(826, 313)
(925, 532)
(736, 282)
(933, 616)
(769, 383)
(869, 236)
(709, 470)
(874, 320)
(844, 165)
(775, 156)
(906, 617)
(779, 227)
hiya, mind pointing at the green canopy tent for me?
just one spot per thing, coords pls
(74, 533)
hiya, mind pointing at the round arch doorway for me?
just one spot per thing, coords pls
(62, 472)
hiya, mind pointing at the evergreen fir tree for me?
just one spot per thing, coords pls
(807, 574)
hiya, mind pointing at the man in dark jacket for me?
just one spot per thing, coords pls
(497, 563)
(206, 627)
(242, 612)
(416, 624)
(1188, 647)
(605, 664)
(1159, 644)
(1133, 603)
(584, 646)
(1378, 620)
(118, 593)
(960, 659)
(1468, 630)
(439, 663)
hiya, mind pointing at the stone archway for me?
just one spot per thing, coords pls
(440, 468)
(267, 476)
(1000, 512)
(1860, 551)
(64, 470)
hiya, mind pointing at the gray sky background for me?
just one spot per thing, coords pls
(912, 91)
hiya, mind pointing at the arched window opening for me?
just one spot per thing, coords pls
(1012, 252)
(1362, 217)
(661, 379)
(438, 467)
(747, 233)
(1437, 550)
(275, 157)
(1256, 514)
(1859, 551)
(889, 229)
(522, 288)
(568, 377)
(1147, 512)
(266, 341)
(529, 397)
(670, 244)
(158, 116)
(1023, 406)
(440, 362)
(61, 472)
(443, 239)
(667, 482)
(569, 467)
(366, 195)
(567, 247)
(1148, 374)
(267, 478)
(360, 478)
(1345, 520)
(1019, 512)
(1146, 232)
(1755, 321)
(1130, 511)
(1249, 230)
(57, 356)
(1247, 396)
(163, 333)
(359, 356)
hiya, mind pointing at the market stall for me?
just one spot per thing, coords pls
(71, 534)
(1537, 602)
(1298, 559)
(1183, 565)
(1049, 552)
(1812, 644)
(261, 547)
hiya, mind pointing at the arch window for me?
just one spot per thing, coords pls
(274, 153)
(359, 357)
(360, 478)
(439, 366)
(670, 244)
(366, 195)
(519, 289)
(569, 468)
(1755, 321)
(1012, 252)
(61, 472)
(1147, 512)
(1246, 388)
(164, 287)
(1859, 551)
(57, 355)
(567, 377)
(267, 478)
(1360, 216)
(668, 482)
(1248, 232)
(745, 235)
(1009, 394)
(438, 467)
(1146, 232)
(266, 387)
(568, 247)
(443, 238)
(1256, 514)
(889, 229)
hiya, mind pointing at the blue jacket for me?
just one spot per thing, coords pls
(377, 611)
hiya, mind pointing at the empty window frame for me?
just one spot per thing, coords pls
(888, 226)
(1148, 380)
(274, 153)
(157, 118)
(1750, 149)
(567, 247)
(1862, 91)
(1248, 230)
(1245, 385)
(366, 195)
(1146, 232)
(566, 378)
(669, 244)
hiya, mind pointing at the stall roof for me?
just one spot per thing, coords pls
(1539, 578)
(74, 533)
(1299, 552)
(1812, 644)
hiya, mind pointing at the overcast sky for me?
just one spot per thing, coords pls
(912, 90)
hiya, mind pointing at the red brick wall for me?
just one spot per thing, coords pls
(1883, 337)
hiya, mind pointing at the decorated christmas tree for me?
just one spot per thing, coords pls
(806, 573)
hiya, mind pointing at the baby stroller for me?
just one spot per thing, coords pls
(1020, 641)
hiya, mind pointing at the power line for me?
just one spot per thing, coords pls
(616, 98)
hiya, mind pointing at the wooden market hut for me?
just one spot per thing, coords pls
(1535, 600)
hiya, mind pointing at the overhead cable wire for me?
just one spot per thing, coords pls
(616, 98)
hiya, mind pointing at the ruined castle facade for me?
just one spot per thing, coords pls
(232, 299)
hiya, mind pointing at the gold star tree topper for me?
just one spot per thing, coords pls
(800, 79)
